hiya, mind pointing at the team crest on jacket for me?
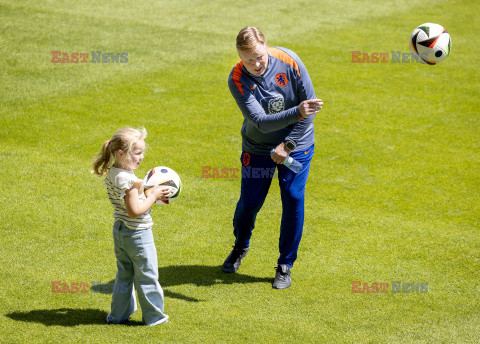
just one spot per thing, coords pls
(281, 79)
(276, 105)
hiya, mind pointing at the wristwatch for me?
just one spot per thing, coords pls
(290, 145)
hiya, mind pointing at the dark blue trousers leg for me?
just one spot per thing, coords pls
(257, 174)
(292, 188)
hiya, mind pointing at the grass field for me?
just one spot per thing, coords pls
(392, 194)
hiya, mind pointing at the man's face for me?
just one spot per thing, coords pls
(255, 60)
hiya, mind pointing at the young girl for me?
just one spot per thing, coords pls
(132, 229)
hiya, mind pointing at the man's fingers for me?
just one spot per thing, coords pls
(316, 104)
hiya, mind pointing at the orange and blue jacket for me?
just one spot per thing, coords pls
(269, 103)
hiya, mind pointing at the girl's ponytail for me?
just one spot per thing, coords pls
(123, 140)
(103, 160)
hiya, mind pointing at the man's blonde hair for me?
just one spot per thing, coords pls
(248, 37)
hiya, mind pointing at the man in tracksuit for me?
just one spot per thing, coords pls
(275, 94)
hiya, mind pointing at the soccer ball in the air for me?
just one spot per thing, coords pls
(162, 175)
(431, 42)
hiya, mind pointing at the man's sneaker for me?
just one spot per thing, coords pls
(283, 278)
(232, 263)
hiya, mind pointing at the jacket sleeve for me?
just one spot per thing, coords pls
(304, 91)
(254, 112)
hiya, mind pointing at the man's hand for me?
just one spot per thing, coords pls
(280, 153)
(310, 107)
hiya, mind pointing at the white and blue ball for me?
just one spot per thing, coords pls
(162, 175)
(431, 42)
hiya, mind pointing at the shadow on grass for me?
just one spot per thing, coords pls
(170, 276)
(201, 276)
(64, 317)
(198, 275)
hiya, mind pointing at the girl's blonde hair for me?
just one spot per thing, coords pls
(123, 140)
(248, 37)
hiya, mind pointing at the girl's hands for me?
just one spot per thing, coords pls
(135, 207)
(161, 192)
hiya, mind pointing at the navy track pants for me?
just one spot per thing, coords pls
(257, 175)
